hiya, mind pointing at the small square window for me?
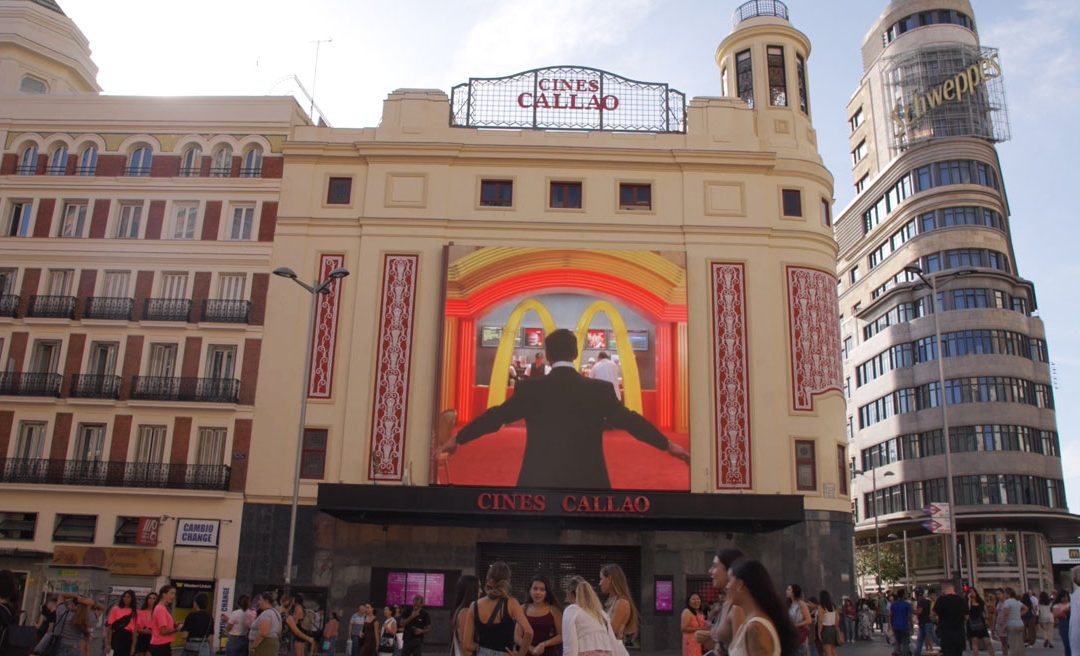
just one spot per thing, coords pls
(792, 202)
(127, 530)
(496, 193)
(635, 196)
(339, 191)
(805, 465)
(17, 526)
(75, 528)
(565, 195)
(313, 458)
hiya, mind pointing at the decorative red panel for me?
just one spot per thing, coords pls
(324, 340)
(731, 376)
(392, 363)
(815, 335)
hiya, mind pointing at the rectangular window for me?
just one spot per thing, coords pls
(231, 286)
(185, 220)
(859, 153)
(496, 193)
(59, 282)
(565, 195)
(150, 445)
(116, 284)
(805, 466)
(635, 196)
(842, 469)
(856, 119)
(89, 443)
(129, 221)
(127, 530)
(7, 281)
(45, 357)
(17, 525)
(75, 528)
(243, 218)
(162, 360)
(861, 184)
(777, 76)
(211, 447)
(30, 444)
(744, 77)
(339, 191)
(313, 458)
(220, 362)
(174, 285)
(826, 212)
(74, 220)
(854, 273)
(792, 202)
(800, 74)
(19, 219)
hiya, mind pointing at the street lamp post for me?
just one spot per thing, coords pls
(317, 289)
(877, 530)
(954, 559)
(907, 572)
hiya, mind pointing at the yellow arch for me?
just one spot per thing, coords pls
(631, 378)
(505, 352)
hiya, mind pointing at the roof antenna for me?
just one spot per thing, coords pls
(315, 73)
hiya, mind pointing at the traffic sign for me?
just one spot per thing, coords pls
(932, 525)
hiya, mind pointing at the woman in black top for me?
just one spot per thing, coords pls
(199, 626)
(493, 617)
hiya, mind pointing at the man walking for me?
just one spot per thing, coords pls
(356, 630)
(951, 610)
(417, 624)
(900, 616)
(926, 622)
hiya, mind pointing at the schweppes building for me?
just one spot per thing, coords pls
(689, 239)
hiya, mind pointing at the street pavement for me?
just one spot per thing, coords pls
(878, 647)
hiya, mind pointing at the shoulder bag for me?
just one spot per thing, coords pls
(49, 644)
(14, 638)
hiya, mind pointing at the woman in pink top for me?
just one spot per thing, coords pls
(162, 625)
(142, 625)
(120, 626)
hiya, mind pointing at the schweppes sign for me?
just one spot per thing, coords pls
(952, 90)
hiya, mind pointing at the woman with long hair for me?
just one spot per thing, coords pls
(767, 630)
(978, 627)
(293, 623)
(1046, 620)
(73, 625)
(468, 590)
(1061, 614)
(799, 613)
(730, 617)
(692, 621)
(388, 632)
(827, 620)
(491, 619)
(544, 614)
(624, 616)
(143, 621)
(586, 629)
(120, 625)
(162, 624)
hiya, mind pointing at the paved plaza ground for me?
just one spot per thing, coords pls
(878, 647)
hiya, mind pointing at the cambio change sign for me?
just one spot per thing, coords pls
(197, 532)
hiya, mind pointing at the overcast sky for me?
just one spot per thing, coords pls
(244, 47)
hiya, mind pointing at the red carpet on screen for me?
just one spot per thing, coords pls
(494, 460)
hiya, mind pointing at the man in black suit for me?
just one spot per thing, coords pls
(565, 416)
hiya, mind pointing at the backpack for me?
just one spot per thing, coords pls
(311, 624)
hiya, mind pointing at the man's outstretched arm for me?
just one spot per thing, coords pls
(490, 421)
(641, 429)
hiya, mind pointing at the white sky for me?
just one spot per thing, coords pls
(245, 47)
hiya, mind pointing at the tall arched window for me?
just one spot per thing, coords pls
(87, 161)
(191, 163)
(28, 160)
(140, 160)
(252, 166)
(221, 166)
(58, 160)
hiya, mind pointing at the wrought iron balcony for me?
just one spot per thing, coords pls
(26, 169)
(190, 171)
(115, 474)
(755, 8)
(109, 307)
(95, 386)
(167, 309)
(221, 171)
(9, 305)
(253, 172)
(56, 170)
(55, 307)
(164, 388)
(137, 171)
(30, 384)
(225, 311)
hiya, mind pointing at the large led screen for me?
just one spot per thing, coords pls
(605, 419)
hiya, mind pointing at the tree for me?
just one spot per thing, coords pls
(892, 564)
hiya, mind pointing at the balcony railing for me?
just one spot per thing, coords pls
(167, 309)
(755, 8)
(220, 171)
(95, 386)
(9, 305)
(115, 474)
(165, 388)
(225, 311)
(30, 384)
(109, 307)
(54, 307)
(137, 171)
(56, 170)
(26, 169)
(253, 172)
(190, 171)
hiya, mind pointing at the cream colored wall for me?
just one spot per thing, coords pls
(45, 44)
(712, 203)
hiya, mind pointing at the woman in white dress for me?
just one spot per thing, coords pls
(586, 630)
(767, 631)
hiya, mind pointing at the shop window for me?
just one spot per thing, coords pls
(496, 193)
(565, 195)
(792, 202)
(17, 526)
(635, 196)
(313, 457)
(339, 191)
(805, 466)
(75, 528)
(402, 586)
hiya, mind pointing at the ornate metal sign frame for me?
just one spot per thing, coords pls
(567, 98)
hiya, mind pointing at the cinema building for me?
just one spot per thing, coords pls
(134, 265)
(931, 200)
(691, 239)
